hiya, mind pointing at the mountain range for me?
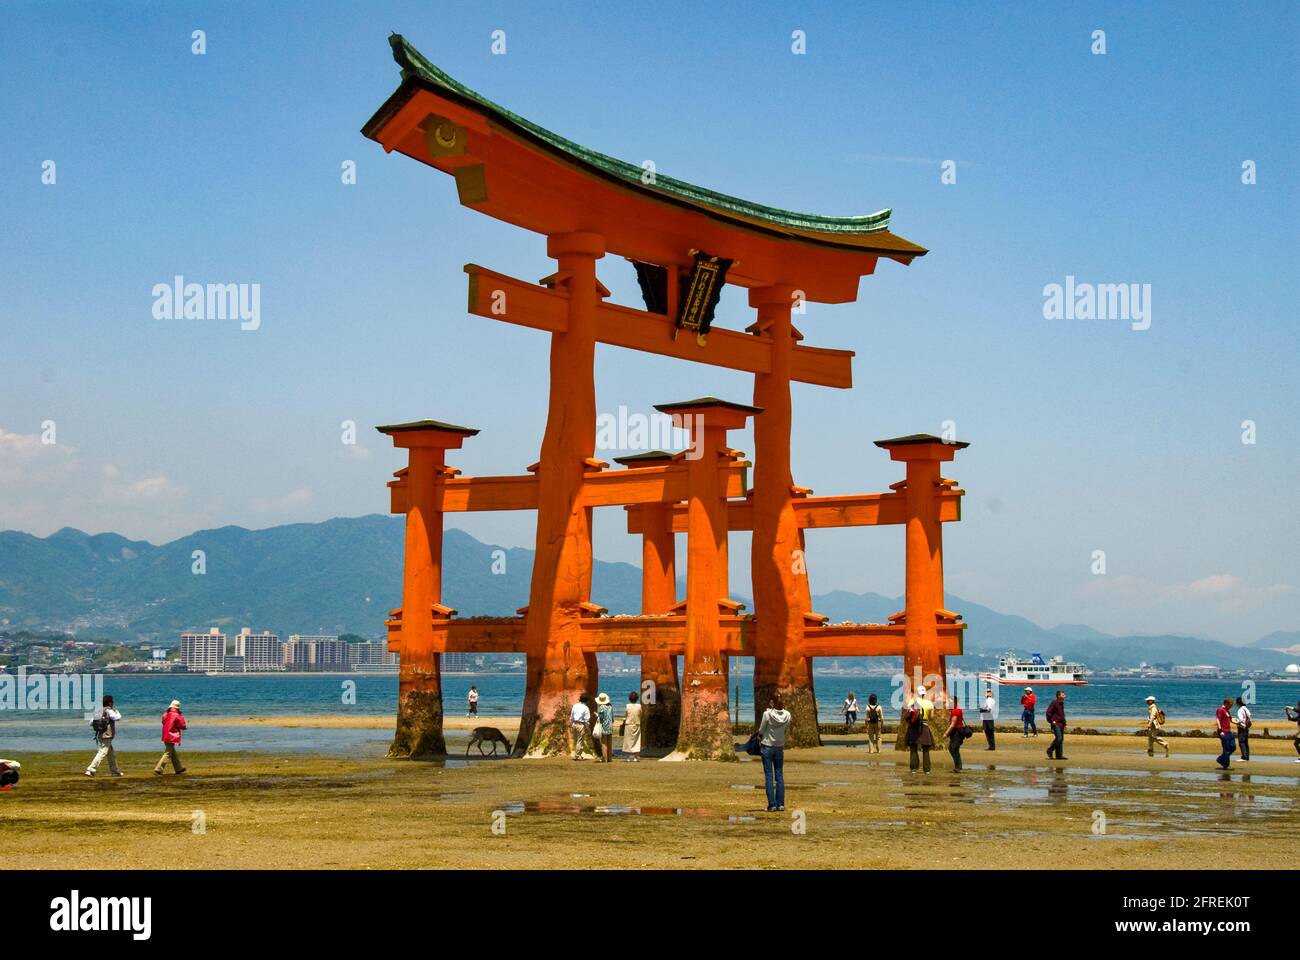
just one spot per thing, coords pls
(343, 575)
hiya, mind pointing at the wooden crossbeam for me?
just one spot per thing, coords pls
(641, 635)
(499, 297)
(851, 510)
(659, 484)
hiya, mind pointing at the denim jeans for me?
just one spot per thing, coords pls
(1229, 745)
(1028, 718)
(1058, 742)
(773, 778)
(954, 748)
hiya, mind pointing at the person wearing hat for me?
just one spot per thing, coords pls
(602, 735)
(1155, 727)
(172, 725)
(987, 710)
(919, 735)
(1027, 702)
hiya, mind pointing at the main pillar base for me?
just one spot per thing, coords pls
(419, 727)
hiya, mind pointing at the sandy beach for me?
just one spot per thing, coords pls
(1107, 806)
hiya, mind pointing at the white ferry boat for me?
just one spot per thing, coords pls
(1016, 671)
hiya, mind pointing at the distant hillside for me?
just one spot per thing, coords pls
(343, 575)
(1284, 640)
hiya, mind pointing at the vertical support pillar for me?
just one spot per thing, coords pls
(419, 690)
(704, 732)
(557, 668)
(781, 594)
(923, 581)
(661, 700)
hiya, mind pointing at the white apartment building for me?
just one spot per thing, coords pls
(201, 652)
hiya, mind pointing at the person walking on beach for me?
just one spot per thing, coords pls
(1056, 720)
(986, 719)
(1294, 716)
(1224, 718)
(105, 727)
(918, 730)
(472, 700)
(631, 729)
(850, 711)
(579, 717)
(1155, 727)
(1027, 702)
(1243, 728)
(956, 733)
(172, 725)
(875, 723)
(771, 747)
(602, 735)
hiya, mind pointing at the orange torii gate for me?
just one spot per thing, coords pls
(588, 204)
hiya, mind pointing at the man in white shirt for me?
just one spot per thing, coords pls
(104, 737)
(579, 719)
(987, 710)
(1243, 728)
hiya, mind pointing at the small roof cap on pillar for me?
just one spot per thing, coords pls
(918, 438)
(704, 402)
(652, 456)
(418, 425)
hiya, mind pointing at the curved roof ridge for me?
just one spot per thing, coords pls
(418, 67)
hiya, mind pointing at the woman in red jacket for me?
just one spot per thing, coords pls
(172, 725)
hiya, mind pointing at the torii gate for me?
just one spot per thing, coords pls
(587, 204)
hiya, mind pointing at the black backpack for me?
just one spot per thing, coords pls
(99, 726)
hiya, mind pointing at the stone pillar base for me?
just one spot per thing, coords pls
(705, 731)
(419, 727)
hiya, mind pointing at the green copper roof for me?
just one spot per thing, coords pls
(417, 69)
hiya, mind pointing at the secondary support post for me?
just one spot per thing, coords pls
(661, 698)
(777, 564)
(557, 669)
(419, 686)
(923, 581)
(705, 729)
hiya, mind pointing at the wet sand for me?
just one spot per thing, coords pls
(1108, 806)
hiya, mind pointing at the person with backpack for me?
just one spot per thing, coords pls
(989, 708)
(1027, 703)
(771, 747)
(956, 733)
(919, 736)
(1223, 716)
(1243, 728)
(1294, 716)
(1056, 720)
(9, 773)
(875, 723)
(1155, 727)
(104, 727)
(172, 725)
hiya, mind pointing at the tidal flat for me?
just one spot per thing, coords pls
(1109, 806)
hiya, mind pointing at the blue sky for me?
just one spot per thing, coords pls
(1086, 435)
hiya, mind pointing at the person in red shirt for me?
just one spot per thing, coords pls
(956, 733)
(1224, 717)
(1028, 701)
(172, 725)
